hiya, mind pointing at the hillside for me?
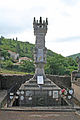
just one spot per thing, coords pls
(25, 49)
(56, 63)
(74, 55)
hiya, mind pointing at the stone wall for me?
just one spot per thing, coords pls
(61, 81)
(0, 83)
(76, 91)
(7, 81)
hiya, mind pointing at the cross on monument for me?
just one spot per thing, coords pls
(40, 30)
(78, 61)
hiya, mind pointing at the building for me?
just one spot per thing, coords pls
(24, 58)
(14, 55)
(1, 58)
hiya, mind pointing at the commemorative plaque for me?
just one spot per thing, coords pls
(40, 80)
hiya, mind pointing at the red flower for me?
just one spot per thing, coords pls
(63, 90)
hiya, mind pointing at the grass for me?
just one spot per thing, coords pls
(5, 71)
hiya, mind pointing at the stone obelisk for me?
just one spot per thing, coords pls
(40, 30)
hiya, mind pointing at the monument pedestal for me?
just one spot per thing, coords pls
(32, 94)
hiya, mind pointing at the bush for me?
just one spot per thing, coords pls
(27, 66)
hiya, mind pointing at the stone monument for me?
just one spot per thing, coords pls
(39, 91)
(40, 30)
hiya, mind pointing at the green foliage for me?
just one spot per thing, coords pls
(56, 63)
(54, 66)
(18, 47)
(25, 49)
(74, 56)
(8, 64)
(0, 41)
(71, 61)
(5, 54)
(6, 71)
(59, 65)
(27, 66)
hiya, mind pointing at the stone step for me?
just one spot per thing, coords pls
(39, 109)
(46, 81)
(35, 82)
(36, 85)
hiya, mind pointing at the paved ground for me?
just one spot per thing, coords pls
(14, 115)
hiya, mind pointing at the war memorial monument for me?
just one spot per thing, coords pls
(39, 90)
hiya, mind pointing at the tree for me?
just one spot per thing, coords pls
(54, 66)
(5, 54)
(0, 42)
(16, 38)
(71, 61)
(8, 64)
(18, 47)
(26, 50)
(27, 66)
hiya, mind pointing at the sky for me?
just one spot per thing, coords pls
(63, 35)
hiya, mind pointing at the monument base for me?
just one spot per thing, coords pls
(32, 94)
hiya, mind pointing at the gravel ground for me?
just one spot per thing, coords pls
(14, 115)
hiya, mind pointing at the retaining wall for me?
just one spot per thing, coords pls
(8, 80)
(76, 91)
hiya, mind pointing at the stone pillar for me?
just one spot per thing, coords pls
(40, 30)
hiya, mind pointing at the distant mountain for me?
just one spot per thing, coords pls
(74, 55)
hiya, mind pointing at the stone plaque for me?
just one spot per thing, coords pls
(18, 92)
(22, 97)
(17, 97)
(22, 92)
(40, 80)
(30, 98)
(11, 93)
(70, 92)
(29, 93)
(69, 97)
(55, 94)
(50, 93)
(11, 97)
(40, 55)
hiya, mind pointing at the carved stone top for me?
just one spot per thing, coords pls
(40, 26)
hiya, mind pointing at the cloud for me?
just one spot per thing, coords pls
(68, 39)
(70, 2)
(16, 20)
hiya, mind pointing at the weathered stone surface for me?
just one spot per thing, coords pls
(40, 30)
(75, 79)
(19, 115)
(8, 80)
(76, 74)
(3, 94)
(39, 91)
(76, 88)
